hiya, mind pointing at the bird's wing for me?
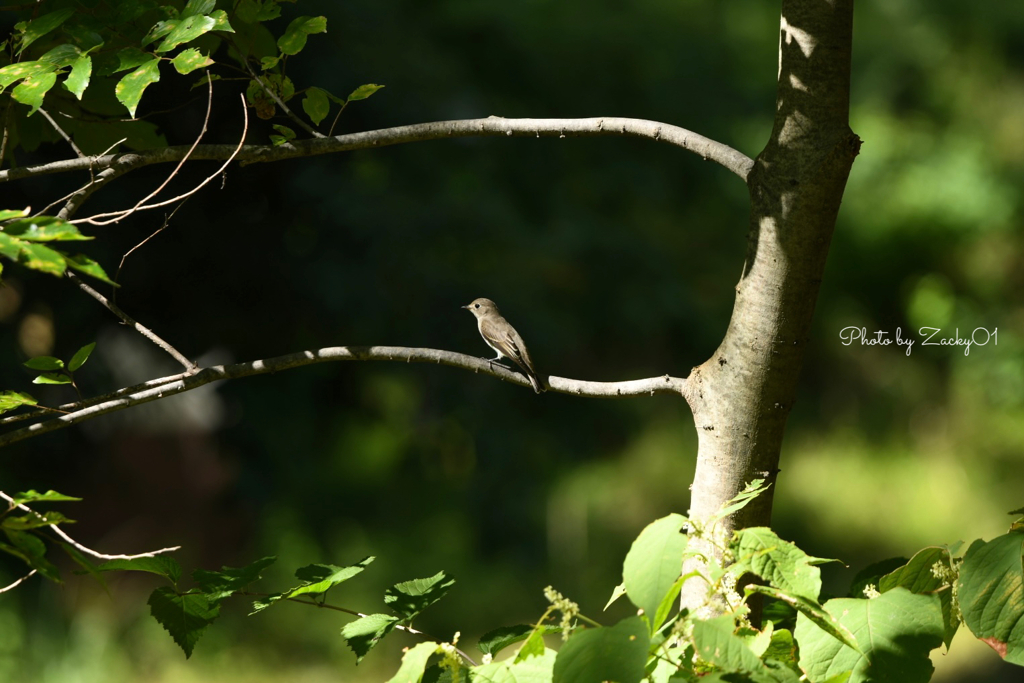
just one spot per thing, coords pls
(508, 342)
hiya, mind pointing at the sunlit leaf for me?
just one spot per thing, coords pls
(161, 565)
(131, 57)
(9, 400)
(316, 105)
(33, 496)
(78, 80)
(15, 72)
(409, 598)
(84, 264)
(34, 520)
(40, 26)
(81, 355)
(220, 21)
(365, 632)
(189, 60)
(45, 363)
(32, 90)
(129, 89)
(187, 30)
(62, 55)
(44, 229)
(363, 91)
(52, 378)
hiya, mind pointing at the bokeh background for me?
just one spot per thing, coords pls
(615, 259)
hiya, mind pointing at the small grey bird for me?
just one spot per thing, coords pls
(503, 338)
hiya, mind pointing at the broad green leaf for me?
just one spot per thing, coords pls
(716, 642)
(8, 214)
(162, 565)
(220, 21)
(617, 593)
(62, 55)
(783, 565)
(159, 30)
(872, 574)
(220, 585)
(537, 669)
(130, 58)
(84, 264)
(198, 7)
(320, 578)
(9, 400)
(363, 91)
(40, 26)
(78, 80)
(31, 550)
(594, 655)
(184, 616)
(44, 363)
(409, 598)
(52, 378)
(84, 37)
(811, 610)
(81, 355)
(34, 496)
(534, 645)
(414, 662)
(895, 632)
(43, 229)
(654, 563)
(129, 89)
(365, 632)
(269, 62)
(287, 135)
(34, 520)
(294, 38)
(917, 577)
(782, 648)
(42, 258)
(991, 593)
(669, 602)
(251, 11)
(189, 60)
(497, 640)
(32, 90)
(316, 105)
(187, 30)
(15, 72)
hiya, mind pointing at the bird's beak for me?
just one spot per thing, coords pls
(466, 306)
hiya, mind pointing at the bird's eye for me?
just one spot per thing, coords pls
(476, 305)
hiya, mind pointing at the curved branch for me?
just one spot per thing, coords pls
(726, 156)
(119, 400)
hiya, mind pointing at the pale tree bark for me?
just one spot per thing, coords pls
(742, 395)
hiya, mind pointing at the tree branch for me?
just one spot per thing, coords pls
(119, 400)
(493, 126)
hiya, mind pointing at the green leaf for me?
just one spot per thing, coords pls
(198, 7)
(131, 57)
(40, 26)
(594, 655)
(33, 496)
(537, 669)
(187, 29)
(84, 264)
(161, 565)
(78, 80)
(751, 491)
(189, 60)
(82, 561)
(316, 105)
(159, 30)
(895, 633)
(8, 214)
(62, 55)
(81, 355)
(269, 62)
(32, 551)
(365, 632)
(184, 616)
(320, 578)
(783, 565)
(414, 662)
(497, 640)
(409, 598)
(782, 648)
(991, 593)
(534, 645)
(44, 363)
(715, 641)
(363, 91)
(9, 400)
(669, 602)
(52, 378)
(32, 90)
(917, 577)
(15, 72)
(617, 593)
(43, 229)
(287, 135)
(220, 585)
(129, 89)
(294, 38)
(872, 574)
(654, 563)
(811, 610)
(220, 21)
(39, 257)
(34, 520)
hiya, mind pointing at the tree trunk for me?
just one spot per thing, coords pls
(742, 395)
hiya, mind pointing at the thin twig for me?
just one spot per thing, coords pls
(167, 222)
(67, 138)
(638, 387)
(89, 551)
(284, 107)
(3, 143)
(190, 367)
(16, 583)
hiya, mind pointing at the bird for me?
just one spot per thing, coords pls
(503, 338)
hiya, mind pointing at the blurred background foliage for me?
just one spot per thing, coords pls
(615, 259)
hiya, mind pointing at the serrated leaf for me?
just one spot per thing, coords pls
(219, 585)
(15, 72)
(84, 264)
(594, 655)
(294, 38)
(44, 229)
(414, 662)
(40, 26)
(320, 578)
(31, 91)
(52, 378)
(654, 563)
(184, 616)
(78, 80)
(189, 60)
(186, 30)
(365, 632)
(533, 670)
(161, 565)
(991, 594)
(81, 355)
(497, 640)
(917, 577)
(44, 363)
(534, 645)
(409, 598)
(9, 400)
(33, 496)
(782, 564)
(363, 91)
(895, 633)
(715, 641)
(34, 520)
(316, 105)
(129, 89)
